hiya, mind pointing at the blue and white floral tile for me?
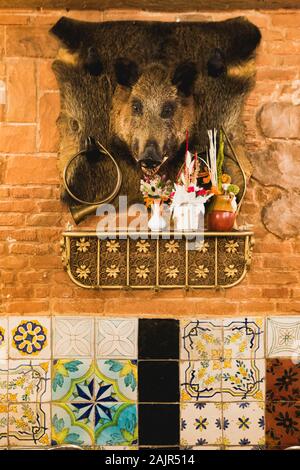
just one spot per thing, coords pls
(118, 377)
(201, 424)
(73, 424)
(3, 381)
(72, 380)
(29, 381)
(200, 380)
(116, 338)
(244, 424)
(73, 337)
(29, 337)
(243, 379)
(201, 339)
(3, 424)
(244, 338)
(116, 427)
(29, 424)
(3, 338)
(283, 337)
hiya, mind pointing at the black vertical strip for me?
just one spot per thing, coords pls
(158, 339)
(158, 424)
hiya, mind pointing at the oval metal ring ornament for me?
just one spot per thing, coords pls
(79, 212)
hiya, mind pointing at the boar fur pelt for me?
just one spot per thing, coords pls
(137, 87)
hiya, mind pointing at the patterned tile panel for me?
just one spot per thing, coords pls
(207, 383)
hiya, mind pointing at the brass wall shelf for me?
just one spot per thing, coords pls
(147, 260)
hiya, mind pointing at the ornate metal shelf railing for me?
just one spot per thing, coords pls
(156, 260)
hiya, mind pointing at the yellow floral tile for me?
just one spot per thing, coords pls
(200, 380)
(29, 424)
(201, 339)
(244, 380)
(3, 381)
(29, 381)
(244, 338)
(3, 424)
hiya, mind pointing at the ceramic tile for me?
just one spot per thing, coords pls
(201, 424)
(158, 381)
(3, 424)
(3, 381)
(282, 380)
(72, 380)
(283, 337)
(110, 448)
(200, 380)
(158, 339)
(282, 423)
(29, 381)
(72, 425)
(158, 424)
(29, 337)
(116, 379)
(201, 339)
(199, 448)
(29, 424)
(118, 427)
(244, 423)
(244, 338)
(73, 337)
(116, 338)
(3, 338)
(243, 379)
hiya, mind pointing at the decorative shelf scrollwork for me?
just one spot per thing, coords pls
(156, 260)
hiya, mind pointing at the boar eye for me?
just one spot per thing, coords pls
(137, 107)
(168, 110)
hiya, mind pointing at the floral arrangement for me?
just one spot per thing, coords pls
(188, 198)
(156, 189)
(220, 182)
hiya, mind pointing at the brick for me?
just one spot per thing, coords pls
(267, 278)
(30, 41)
(293, 33)
(47, 80)
(13, 262)
(21, 91)
(2, 41)
(33, 276)
(17, 138)
(29, 248)
(31, 307)
(14, 19)
(71, 307)
(45, 262)
(7, 276)
(43, 220)
(31, 170)
(18, 235)
(275, 74)
(287, 20)
(276, 292)
(11, 219)
(49, 112)
(62, 291)
(25, 205)
(4, 192)
(50, 206)
(17, 292)
(291, 306)
(257, 307)
(25, 192)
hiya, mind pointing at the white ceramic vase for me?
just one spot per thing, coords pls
(156, 222)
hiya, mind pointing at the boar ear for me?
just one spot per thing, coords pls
(184, 77)
(216, 64)
(126, 72)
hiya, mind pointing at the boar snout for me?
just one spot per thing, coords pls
(151, 156)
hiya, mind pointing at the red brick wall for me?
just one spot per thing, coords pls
(32, 217)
